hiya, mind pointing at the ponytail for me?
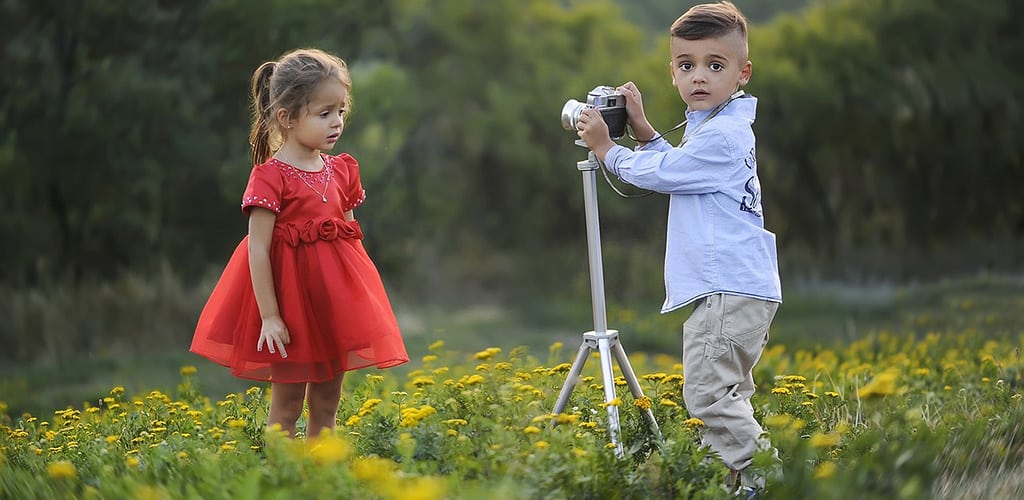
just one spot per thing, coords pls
(259, 136)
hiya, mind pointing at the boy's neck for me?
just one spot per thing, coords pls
(719, 106)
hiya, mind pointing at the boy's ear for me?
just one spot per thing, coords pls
(745, 73)
(672, 73)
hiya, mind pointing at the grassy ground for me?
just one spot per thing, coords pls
(826, 315)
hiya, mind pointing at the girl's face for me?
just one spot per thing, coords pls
(319, 124)
(707, 71)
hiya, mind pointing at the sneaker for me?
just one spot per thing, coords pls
(747, 492)
(744, 483)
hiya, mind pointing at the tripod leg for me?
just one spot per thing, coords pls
(634, 387)
(604, 347)
(572, 378)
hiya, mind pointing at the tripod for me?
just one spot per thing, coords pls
(605, 341)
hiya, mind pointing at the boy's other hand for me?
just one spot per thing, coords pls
(593, 130)
(642, 129)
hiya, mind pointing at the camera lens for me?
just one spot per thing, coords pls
(571, 113)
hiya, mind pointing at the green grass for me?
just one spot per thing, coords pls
(810, 315)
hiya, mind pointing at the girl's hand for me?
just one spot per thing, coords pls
(642, 129)
(274, 333)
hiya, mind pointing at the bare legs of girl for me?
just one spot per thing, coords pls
(286, 405)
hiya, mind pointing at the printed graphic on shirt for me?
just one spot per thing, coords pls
(752, 203)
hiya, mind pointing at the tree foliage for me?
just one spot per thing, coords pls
(885, 128)
(890, 126)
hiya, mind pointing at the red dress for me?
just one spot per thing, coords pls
(329, 293)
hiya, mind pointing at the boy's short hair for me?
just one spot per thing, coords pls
(710, 20)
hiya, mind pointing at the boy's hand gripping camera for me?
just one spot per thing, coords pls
(609, 101)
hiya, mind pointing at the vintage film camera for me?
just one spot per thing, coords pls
(609, 101)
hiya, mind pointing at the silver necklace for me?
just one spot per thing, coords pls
(327, 183)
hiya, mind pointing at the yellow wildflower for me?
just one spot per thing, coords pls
(821, 440)
(422, 381)
(373, 469)
(328, 448)
(487, 353)
(884, 384)
(188, 370)
(564, 418)
(541, 445)
(472, 379)
(61, 469)
(693, 422)
(531, 430)
(436, 345)
(825, 470)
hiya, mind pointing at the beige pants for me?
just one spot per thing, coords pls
(722, 341)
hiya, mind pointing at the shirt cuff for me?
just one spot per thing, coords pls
(655, 145)
(614, 156)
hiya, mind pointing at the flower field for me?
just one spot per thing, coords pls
(889, 415)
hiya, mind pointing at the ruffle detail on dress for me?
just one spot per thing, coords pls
(326, 229)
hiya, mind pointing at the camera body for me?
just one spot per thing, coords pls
(609, 101)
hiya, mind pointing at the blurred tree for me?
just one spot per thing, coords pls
(123, 131)
(657, 15)
(888, 126)
(97, 104)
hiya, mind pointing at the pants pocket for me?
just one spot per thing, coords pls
(746, 320)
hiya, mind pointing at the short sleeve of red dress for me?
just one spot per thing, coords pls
(353, 187)
(264, 189)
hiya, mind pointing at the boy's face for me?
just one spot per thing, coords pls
(707, 71)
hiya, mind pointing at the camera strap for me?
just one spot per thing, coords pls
(714, 112)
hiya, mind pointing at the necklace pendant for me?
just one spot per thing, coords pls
(323, 198)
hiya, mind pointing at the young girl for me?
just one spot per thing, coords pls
(300, 302)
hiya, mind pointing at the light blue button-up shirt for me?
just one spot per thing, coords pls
(716, 241)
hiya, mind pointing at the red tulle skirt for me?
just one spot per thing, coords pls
(331, 299)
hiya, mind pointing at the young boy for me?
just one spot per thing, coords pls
(719, 257)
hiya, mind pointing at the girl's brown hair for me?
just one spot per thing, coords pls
(288, 83)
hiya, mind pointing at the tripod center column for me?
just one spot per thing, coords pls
(589, 168)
